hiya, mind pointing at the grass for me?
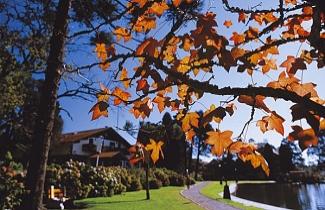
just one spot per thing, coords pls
(163, 198)
(213, 189)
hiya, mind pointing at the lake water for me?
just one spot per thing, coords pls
(292, 196)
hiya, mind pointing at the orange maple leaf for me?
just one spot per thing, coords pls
(219, 141)
(283, 81)
(142, 85)
(120, 96)
(103, 95)
(237, 52)
(144, 24)
(293, 2)
(274, 121)
(147, 47)
(176, 3)
(214, 113)
(142, 108)
(235, 147)
(124, 78)
(288, 63)
(252, 33)
(258, 102)
(242, 17)
(158, 8)
(227, 23)
(140, 2)
(190, 134)
(99, 109)
(187, 42)
(306, 137)
(190, 120)
(268, 64)
(122, 33)
(304, 89)
(237, 38)
(160, 101)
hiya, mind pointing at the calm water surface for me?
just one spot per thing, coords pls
(292, 196)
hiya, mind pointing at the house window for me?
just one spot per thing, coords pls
(112, 144)
(124, 164)
(91, 141)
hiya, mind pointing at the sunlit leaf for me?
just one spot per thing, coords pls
(155, 147)
(99, 109)
(219, 141)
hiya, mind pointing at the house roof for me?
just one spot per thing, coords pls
(115, 134)
(105, 154)
(125, 135)
(79, 135)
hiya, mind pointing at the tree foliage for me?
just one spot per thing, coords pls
(168, 65)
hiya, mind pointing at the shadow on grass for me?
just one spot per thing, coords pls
(85, 204)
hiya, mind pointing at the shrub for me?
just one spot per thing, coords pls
(154, 183)
(177, 180)
(162, 176)
(54, 174)
(119, 188)
(135, 184)
(192, 180)
(11, 179)
(122, 176)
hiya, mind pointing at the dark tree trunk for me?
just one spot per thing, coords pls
(147, 181)
(45, 119)
(197, 158)
(185, 157)
(190, 159)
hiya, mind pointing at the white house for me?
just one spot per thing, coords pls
(109, 144)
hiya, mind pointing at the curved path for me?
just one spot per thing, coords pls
(195, 196)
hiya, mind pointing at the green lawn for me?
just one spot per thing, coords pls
(213, 189)
(164, 198)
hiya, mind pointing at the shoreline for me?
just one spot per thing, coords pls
(232, 189)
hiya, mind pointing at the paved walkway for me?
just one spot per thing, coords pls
(194, 195)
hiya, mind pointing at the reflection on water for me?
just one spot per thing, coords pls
(292, 196)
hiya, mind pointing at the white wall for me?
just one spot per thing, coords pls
(77, 147)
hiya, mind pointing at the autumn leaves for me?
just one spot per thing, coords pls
(173, 69)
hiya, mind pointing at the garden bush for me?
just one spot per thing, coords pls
(135, 184)
(119, 188)
(162, 176)
(122, 176)
(82, 180)
(11, 179)
(177, 179)
(154, 183)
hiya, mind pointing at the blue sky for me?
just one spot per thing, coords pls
(117, 116)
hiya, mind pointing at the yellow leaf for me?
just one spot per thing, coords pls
(140, 2)
(124, 78)
(103, 95)
(158, 8)
(122, 33)
(237, 52)
(219, 141)
(190, 119)
(184, 65)
(156, 149)
(274, 121)
(190, 134)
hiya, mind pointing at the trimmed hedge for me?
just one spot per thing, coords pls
(81, 180)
